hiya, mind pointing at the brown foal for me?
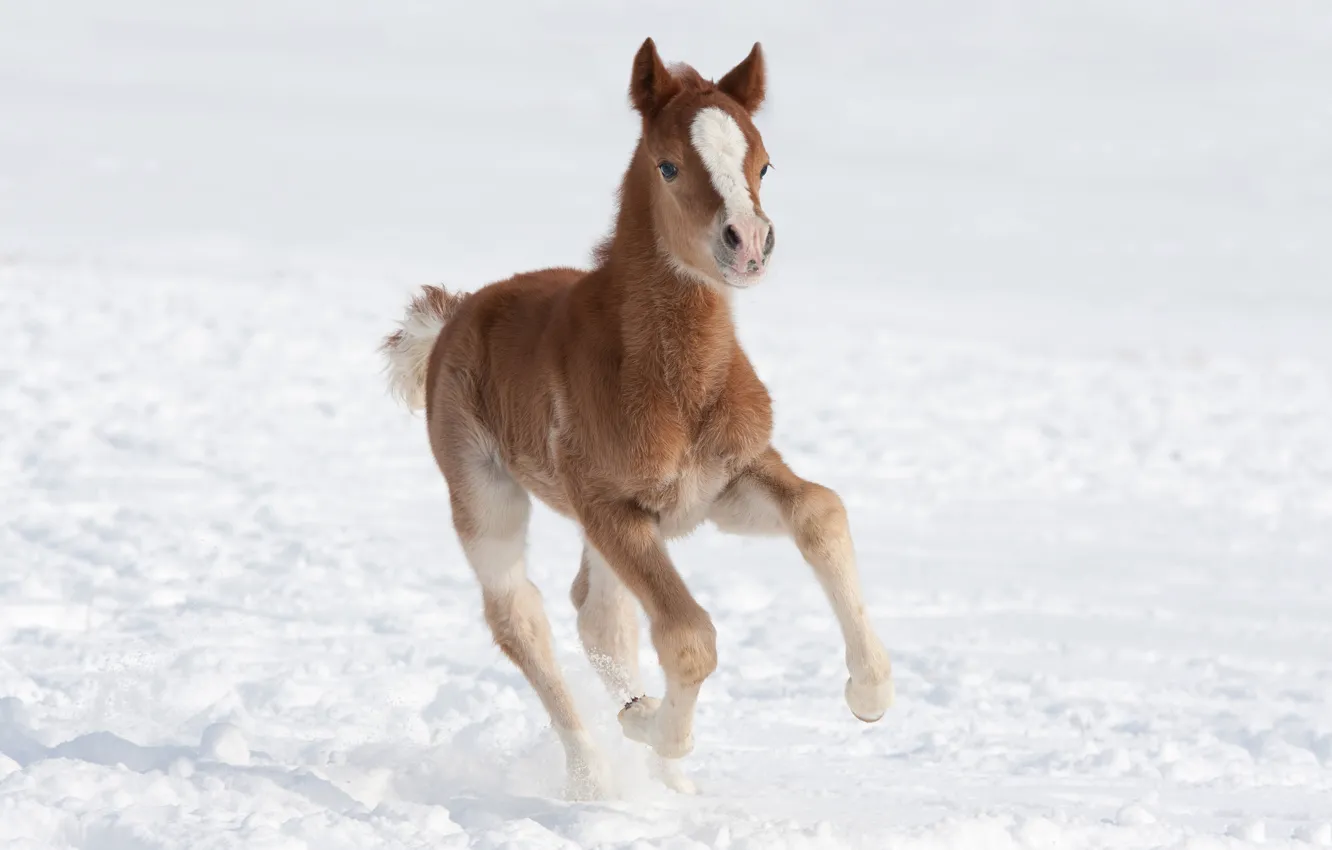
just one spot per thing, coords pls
(620, 397)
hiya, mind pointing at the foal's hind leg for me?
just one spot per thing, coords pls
(768, 498)
(608, 626)
(490, 513)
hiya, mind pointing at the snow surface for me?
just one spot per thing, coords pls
(1050, 310)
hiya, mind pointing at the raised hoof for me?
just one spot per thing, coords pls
(638, 719)
(869, 702)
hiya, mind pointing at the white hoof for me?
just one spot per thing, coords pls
(869, 702)
(638, 719)
(587, 771)
(669, 773)
(588, 780)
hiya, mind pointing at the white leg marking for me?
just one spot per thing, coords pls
(498, 562)
(517, 619)
(749, 508)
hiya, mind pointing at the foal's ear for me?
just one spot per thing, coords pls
(651, 85)
(747, 82)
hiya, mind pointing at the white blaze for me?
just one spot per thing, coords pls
(721, 145)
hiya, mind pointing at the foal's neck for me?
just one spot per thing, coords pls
(677, 331)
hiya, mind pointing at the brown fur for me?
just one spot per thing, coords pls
(621, 398)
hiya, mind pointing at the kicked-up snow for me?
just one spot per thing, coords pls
(1050, 312)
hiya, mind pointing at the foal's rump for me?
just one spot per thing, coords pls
(500, 326)
(481, 364)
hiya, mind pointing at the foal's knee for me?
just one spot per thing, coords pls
(820, 526)
(686, 645)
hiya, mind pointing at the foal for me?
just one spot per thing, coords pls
(621, 398)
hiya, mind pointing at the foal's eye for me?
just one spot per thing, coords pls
(763, 172)
(668, 171)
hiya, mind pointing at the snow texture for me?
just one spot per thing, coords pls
(1051, 313)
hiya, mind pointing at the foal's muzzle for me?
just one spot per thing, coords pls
(744, 247)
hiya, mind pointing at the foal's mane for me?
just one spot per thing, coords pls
(689, 79)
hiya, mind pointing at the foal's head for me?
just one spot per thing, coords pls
(704, 160)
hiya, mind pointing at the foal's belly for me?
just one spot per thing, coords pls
(541, 481)
(681, 502)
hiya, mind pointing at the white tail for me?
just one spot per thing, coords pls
(408, 348)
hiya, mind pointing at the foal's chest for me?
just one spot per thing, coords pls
(682, 502)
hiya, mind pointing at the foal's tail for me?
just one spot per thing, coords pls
(408, 348)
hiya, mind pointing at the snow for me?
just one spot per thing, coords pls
(1049, 310)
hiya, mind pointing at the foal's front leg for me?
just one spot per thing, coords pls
(628, 538)
(608, 626)
(768, 498)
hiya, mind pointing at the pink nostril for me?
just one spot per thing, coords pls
(731, 237)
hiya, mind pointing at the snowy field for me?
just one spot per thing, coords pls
(1052, 309)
